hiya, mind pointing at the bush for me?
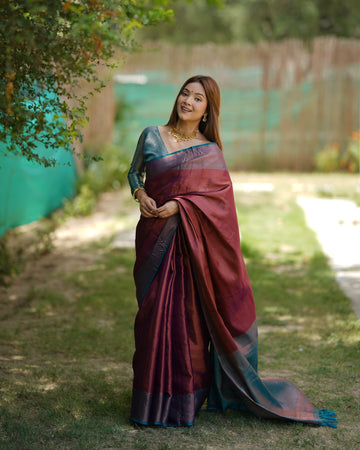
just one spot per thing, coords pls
(10, 261)
(351, 157)
(107, 173)
(81, 205)
(328, 159)
(331, 159)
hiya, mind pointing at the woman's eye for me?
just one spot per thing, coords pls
(198, 99)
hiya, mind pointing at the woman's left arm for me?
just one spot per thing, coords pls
(137, 168)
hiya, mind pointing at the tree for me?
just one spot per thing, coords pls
(46, 48)
(254, 20)
(201, 21)
(278, 19)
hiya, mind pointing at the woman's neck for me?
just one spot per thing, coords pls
(186, 127)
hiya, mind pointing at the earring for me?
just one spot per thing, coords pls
(204, 119)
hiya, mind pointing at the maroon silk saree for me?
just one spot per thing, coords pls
(193, 290)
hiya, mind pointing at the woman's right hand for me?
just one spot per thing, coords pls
(148, 206)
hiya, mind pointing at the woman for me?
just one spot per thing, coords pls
(191, 282)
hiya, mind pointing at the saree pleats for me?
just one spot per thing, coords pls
(192, 289)
(171, 362)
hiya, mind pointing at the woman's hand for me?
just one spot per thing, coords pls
(147, 204)
(149, 209)
(168, 209)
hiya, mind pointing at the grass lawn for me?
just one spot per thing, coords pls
(66, 349)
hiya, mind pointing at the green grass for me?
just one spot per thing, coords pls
(65, 354)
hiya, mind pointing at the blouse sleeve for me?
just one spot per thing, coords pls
(137, 167)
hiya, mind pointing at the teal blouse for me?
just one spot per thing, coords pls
(149, 146)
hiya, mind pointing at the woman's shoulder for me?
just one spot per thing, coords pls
(149, 130)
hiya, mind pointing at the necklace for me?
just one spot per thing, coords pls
(179, 137)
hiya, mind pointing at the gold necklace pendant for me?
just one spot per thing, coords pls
(180, 137)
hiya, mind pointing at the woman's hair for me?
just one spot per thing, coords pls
(210, 128)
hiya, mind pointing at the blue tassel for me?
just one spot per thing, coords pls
(328, 418)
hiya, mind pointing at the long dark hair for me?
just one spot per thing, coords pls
(210, 128)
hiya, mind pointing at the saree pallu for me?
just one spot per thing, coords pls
(193, 289)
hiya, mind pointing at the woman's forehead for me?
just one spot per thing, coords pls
(195, 88)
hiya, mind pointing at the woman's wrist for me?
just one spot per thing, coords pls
(138, 193)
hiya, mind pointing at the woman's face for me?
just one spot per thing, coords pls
(191, 104)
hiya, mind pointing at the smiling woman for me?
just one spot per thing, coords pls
(191, 107)
(191, 282)
(196, 109)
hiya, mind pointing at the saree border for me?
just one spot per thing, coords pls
(146, 273)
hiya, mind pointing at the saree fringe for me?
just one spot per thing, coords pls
(328, 418)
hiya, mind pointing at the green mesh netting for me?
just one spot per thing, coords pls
(29, 191)
(272, 129)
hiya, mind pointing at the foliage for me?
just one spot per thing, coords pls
(81, 205)
(15, 252)
(278, 19)
(331, 159)
(255, 20)
(201, 21)
(105, 175)
(328, 159)
(111, 173)
(351, 158)
(10, 261)
(47, 47)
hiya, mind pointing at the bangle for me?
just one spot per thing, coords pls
(136, 190)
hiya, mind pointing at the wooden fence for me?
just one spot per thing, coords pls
(282, 101)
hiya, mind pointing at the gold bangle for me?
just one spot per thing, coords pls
(136, 190)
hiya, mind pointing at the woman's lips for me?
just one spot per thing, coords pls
(184, 109)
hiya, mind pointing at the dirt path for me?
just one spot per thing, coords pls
(336, 223)
(114, 214)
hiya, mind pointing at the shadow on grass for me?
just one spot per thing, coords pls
(88, 411)
(72, 389)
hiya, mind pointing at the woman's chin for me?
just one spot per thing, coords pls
(186, 117)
